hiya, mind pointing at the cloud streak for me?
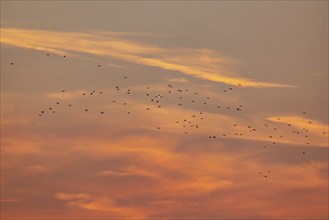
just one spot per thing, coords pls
(301, 123)
(200, 63)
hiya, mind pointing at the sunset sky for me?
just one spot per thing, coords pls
(177, 110)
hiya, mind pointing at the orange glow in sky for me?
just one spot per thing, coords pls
(154, 110)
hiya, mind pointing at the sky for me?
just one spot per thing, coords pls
(153, 110)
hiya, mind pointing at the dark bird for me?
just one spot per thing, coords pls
(57, 103)
(86, 110)
(70, 105)
(102, 112)
(98, 65)
(48, 54)
(11, 63)
(63, 90)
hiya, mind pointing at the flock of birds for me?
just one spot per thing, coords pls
(155, 99)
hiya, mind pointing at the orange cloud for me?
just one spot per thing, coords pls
(301, 123)
(99, 203)
(199, 63)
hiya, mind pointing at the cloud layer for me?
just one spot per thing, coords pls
(200, 63)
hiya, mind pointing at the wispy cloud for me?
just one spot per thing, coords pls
(200, 63)
(67, 95)
(9, 200)
(99, 203)
(178, 80)
(301, 123)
